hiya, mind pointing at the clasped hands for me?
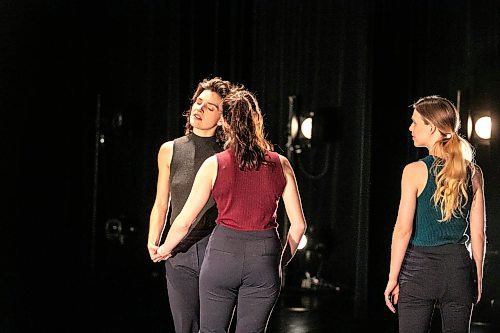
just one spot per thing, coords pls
(158, 253)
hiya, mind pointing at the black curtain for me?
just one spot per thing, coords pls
(70, 187)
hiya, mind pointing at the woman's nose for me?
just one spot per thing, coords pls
(203, 106)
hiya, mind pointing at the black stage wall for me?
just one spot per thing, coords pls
(90, 90)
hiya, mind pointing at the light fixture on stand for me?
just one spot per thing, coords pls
(479, 127)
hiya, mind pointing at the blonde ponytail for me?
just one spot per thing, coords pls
(453, 173)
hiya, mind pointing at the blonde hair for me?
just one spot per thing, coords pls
(454, 170)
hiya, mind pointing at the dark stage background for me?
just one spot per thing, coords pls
(76, 212)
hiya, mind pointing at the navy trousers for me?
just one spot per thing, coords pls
(436, 276)
(243, 268)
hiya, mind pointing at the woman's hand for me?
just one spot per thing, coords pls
(152, 249)
(479, 290)
(157, 253)
(391, 295)
(162, 254)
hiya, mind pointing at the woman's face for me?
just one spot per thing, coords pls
(206, 111)
(420, 131)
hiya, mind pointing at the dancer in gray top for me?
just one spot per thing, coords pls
(178, 163)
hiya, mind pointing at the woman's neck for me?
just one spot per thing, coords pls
(204, 133)
(436, 151)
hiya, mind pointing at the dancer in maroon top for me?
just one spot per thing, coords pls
(244, 255)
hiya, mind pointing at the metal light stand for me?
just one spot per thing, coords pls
(95, 189)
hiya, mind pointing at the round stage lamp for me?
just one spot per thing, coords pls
(483, 127)
(306, 128)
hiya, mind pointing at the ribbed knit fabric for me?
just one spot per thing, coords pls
(428, 231)
(188, 155)
(248, 200)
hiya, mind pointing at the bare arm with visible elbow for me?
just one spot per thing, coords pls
(157, 218)
(478, 228)
(293, 207)
(198, 197)
(403, 228)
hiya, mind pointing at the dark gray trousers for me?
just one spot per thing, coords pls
(183, 272)
(436, 276)
(243, 268)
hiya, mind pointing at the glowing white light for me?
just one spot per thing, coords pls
(306, 128)
(483, 127)
(294, 127)
(302, 243)
(469, 127)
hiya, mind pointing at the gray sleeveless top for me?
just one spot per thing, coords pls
(189, 153)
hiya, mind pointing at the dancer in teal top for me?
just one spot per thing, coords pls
(438, 242)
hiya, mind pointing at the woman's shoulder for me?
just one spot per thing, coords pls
(166, 148)
(476, 169)
(167, 145)
(225, 152)
(415, 169)
(414, 175)
(225, 157)
(285, 163)
(211, 161)
(477, 175)
(416, 165)
(278, 156)
(165, 153)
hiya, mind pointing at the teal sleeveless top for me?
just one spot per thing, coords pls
(427, 230)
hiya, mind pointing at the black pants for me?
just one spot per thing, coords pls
(436, 275)
(240, 267)
(183, 272)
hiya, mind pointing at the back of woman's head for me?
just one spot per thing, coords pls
(440, 112)
(244, 128)
(453, 169)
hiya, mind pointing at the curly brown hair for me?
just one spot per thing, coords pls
(244, 128)
(217, 85)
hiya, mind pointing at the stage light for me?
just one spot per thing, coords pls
(296, 139)
(480, 126)
(113, 229)
(294, 127)
(306, 127)
(469, 127)
(302, 243)
(483, 127)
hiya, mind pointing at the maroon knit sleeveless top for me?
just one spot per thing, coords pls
(248, 200)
